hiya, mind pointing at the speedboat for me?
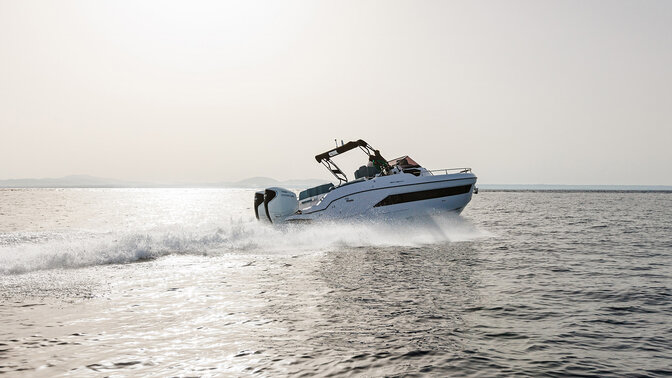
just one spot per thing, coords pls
(380, 189)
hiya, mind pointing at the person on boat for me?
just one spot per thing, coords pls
(378, 161)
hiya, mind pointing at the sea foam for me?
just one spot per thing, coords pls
(26, 252)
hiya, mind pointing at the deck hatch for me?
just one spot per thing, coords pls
(394, 199)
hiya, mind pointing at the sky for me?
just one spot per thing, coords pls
(523, 92)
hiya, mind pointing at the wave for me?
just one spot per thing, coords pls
(27, 252)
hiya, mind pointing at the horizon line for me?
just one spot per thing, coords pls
(106, 182)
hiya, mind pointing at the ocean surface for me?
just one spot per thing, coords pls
(185, 282)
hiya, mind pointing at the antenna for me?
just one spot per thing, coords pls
(335, 141)
(341, 142)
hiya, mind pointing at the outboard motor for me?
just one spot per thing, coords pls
(279, 203)
(259, 206)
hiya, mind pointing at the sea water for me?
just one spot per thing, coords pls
(173, 282)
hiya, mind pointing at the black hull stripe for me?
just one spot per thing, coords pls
(389, 187)
(421, 195)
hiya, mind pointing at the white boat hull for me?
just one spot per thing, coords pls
(393, 196)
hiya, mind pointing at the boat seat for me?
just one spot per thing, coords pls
(366, 172)
(315, 191)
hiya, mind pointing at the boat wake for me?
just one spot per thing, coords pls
(28, 252)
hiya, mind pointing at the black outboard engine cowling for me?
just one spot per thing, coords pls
(275, 204)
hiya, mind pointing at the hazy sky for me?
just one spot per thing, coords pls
(554, 92)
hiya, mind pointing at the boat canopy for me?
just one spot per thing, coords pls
(404, 162)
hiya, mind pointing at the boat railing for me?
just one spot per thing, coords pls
(446, 171)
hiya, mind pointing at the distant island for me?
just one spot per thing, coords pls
(86, 181)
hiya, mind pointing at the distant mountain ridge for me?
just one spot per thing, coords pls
(265, 182)
(86, 181)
